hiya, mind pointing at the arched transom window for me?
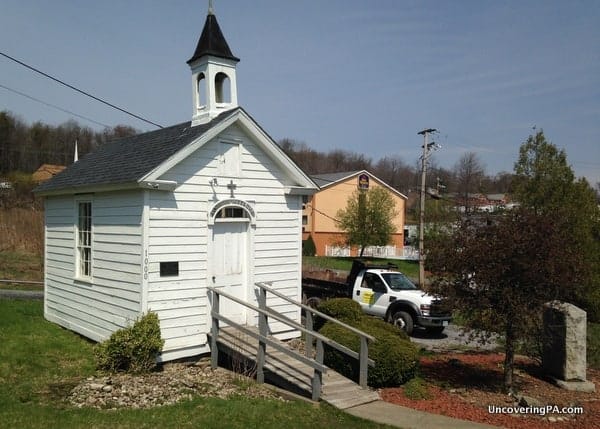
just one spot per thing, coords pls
(232, 213)
(232, 210)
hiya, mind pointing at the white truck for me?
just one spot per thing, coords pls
(385, 292)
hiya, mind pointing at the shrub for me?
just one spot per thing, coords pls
(396, 358)
(308, 247)
(343, 309)
(133, 349)
(416, 389)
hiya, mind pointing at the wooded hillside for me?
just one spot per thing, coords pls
(24, 147)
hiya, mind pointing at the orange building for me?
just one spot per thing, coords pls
(46, 172)
(320, 210)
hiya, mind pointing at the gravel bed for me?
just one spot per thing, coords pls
(175, 382)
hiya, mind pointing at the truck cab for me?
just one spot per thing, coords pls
(389, 294)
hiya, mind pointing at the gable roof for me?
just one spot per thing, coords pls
(212, 42)
(324, 180)
(127, 162)
(46, 171)
(330, 179)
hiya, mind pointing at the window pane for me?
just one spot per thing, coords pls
(84, 239)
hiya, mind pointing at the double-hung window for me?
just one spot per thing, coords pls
(84, 240)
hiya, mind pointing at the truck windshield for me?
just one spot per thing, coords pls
(398, 281)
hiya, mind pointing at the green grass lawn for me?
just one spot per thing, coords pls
(40, 362)
(410, 268)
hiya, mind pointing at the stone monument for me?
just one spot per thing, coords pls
(564, 346)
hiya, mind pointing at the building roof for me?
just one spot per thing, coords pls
(128, 159)
(329, 179)
(135, 161)
(212, 42)
(324, 180)
(46, 172)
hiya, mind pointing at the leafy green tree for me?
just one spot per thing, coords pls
(545, 183)
(498, 274)
(543, 179)
(368, 218)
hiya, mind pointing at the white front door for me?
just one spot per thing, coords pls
(229, 256)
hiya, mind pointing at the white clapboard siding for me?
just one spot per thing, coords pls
(111, 300)
(178, 232)
(134, 231)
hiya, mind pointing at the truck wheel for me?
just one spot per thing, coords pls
(313, 302)
(435, 330)
(403, 320)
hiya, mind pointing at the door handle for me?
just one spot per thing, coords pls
(213, 278)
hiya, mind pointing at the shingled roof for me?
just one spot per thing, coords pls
(129, 159)
(324, 180)
(329, 179)
(212, 42)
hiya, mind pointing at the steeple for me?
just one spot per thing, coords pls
(213, 73)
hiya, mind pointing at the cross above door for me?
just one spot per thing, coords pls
(232, 187)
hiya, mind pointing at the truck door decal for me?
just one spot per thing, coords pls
(368, 297)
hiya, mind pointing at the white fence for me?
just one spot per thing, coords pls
(391, 252)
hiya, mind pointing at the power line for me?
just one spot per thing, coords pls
(87, 94)
(321, 213)
(53, 106)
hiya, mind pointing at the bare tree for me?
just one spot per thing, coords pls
(469, 171)
(396, 173)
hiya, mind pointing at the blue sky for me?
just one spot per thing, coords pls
(358, 75)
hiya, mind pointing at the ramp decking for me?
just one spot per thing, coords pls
(290, 374)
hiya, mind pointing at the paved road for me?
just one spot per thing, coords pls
(21, 294)
(452, 338)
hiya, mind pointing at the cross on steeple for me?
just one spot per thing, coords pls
(231, 186)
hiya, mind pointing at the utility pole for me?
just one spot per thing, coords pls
(426, 147)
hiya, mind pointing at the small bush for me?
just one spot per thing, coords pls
(133, 349)
(416, 389)
(396, 358)
(308, 247)
(343, 309)
(381, 327)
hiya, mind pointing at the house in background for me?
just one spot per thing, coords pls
(46, 172)
(487, 203)
(147, 222)
(320, 211)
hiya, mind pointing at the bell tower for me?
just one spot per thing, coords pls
(214, 85)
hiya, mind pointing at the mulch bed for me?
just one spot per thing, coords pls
(465, 385)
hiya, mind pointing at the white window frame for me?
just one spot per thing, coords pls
(84, 240)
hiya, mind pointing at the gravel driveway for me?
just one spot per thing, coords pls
(452, 338)
(21, 294)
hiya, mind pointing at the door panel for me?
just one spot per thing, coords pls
(229, 257)
(373, 299)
